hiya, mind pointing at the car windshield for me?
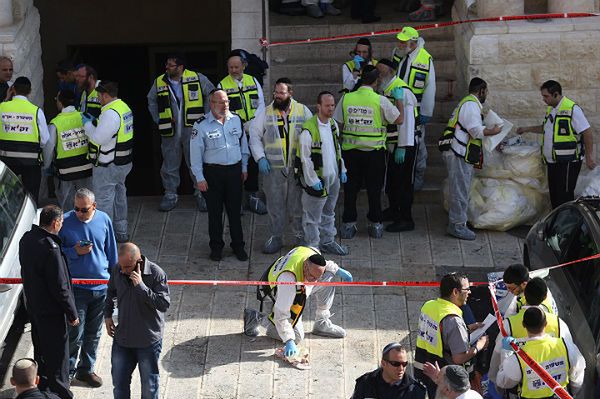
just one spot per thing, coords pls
(12, 197)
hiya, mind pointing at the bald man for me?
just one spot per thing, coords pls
(6, 74)
(25, 380)
(142, 294)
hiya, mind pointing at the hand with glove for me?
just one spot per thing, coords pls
(423, 120)
(398, 93)
(506, 343)
(85, 118)
(344, 178)
(290, 349)
(344, 275)
(318, 186)
(358, 60)
(399, 155)
(264, 167)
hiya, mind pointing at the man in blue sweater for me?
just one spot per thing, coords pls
(88, 241)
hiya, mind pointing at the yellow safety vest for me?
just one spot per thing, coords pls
(19, 133)
(71, 156)
(546, 304)
(316, 155)
(242, 100)
(565, 145)
(363, 122)
(430, 347)
(518, 331)
(419, 72)
(392, 128)
(292, 262)
(350, 64)
(550, 353)
(473, 152)
(281, 139)
(123, 150)
(90, 103)
(193, 103)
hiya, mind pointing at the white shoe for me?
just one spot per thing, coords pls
(326, 328)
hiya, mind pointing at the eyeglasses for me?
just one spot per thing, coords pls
(468, 289)
(82, 210)
(395, 363)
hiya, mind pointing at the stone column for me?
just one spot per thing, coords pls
(6, 13)
(246, 24)
(558, 6)
(498, 8)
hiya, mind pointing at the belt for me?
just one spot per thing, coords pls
(219, 166)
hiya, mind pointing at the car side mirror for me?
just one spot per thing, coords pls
(541, 231)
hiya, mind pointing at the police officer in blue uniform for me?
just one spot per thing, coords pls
(49, 300)
(219, 159)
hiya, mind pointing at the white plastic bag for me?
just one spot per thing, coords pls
(588, 183)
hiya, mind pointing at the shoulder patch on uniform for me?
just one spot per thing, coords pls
(51, 242)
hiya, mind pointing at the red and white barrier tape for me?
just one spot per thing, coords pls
(539, 370)
(263, 41)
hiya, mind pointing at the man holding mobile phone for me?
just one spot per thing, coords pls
(89, 243)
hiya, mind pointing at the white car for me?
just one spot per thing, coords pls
(18, 212)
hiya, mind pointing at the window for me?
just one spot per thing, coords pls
(12, 197)
(562, 229)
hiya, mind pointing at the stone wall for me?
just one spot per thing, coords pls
(516, 57)
(20, 41)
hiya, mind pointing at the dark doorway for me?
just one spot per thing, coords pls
(136, 67)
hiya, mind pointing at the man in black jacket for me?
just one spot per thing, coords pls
(390, 381)
(49, 300)
(25, 379)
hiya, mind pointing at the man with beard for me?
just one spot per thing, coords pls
(443, 336)
(177, 99)
(415, 67)
(351, 70)
(273, 139)
(463, 136)
(321, 169)
(246, 99)
(87, 80)
(390, 380)
(452, 382)
(402, 144)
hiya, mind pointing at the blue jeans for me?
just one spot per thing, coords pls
(124, 361)
(90, 305)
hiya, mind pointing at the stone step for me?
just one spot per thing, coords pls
(331, 71)
(339, 52)
(317, 30)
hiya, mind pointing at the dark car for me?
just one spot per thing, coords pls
(568, 233)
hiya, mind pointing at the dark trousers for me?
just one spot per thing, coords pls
(399, 184)
(562, 178)
(251, 183)
(31, 177)
(362, 8)
(366, 167)
(224, 189)
(50, 337)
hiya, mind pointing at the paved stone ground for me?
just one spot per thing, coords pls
(206, 356)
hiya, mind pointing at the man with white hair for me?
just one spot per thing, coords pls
(452, 382)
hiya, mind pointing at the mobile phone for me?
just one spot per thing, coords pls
(85, 243)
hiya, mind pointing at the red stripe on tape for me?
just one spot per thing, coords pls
(265, 43)
(539, 370)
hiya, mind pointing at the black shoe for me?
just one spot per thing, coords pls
(216, 255)
(240, 254)
(369, 19)
(397, 227)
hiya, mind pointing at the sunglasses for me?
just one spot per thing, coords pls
(82, 210)
(394, 363)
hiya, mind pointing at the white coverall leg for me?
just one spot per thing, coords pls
(172, 149)
(318, 216)
(65, 191)
(283, 201)
(421, 162)
(111, 194)
(460, 175)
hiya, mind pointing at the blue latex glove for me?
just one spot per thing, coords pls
(423, 120)
(317, 186)
(506, 343)
(344, 275)
(357, 61)
(397, 93)
(264, 167)
(344, 178)
(85, 117)
(399, 155)
(290, 348)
